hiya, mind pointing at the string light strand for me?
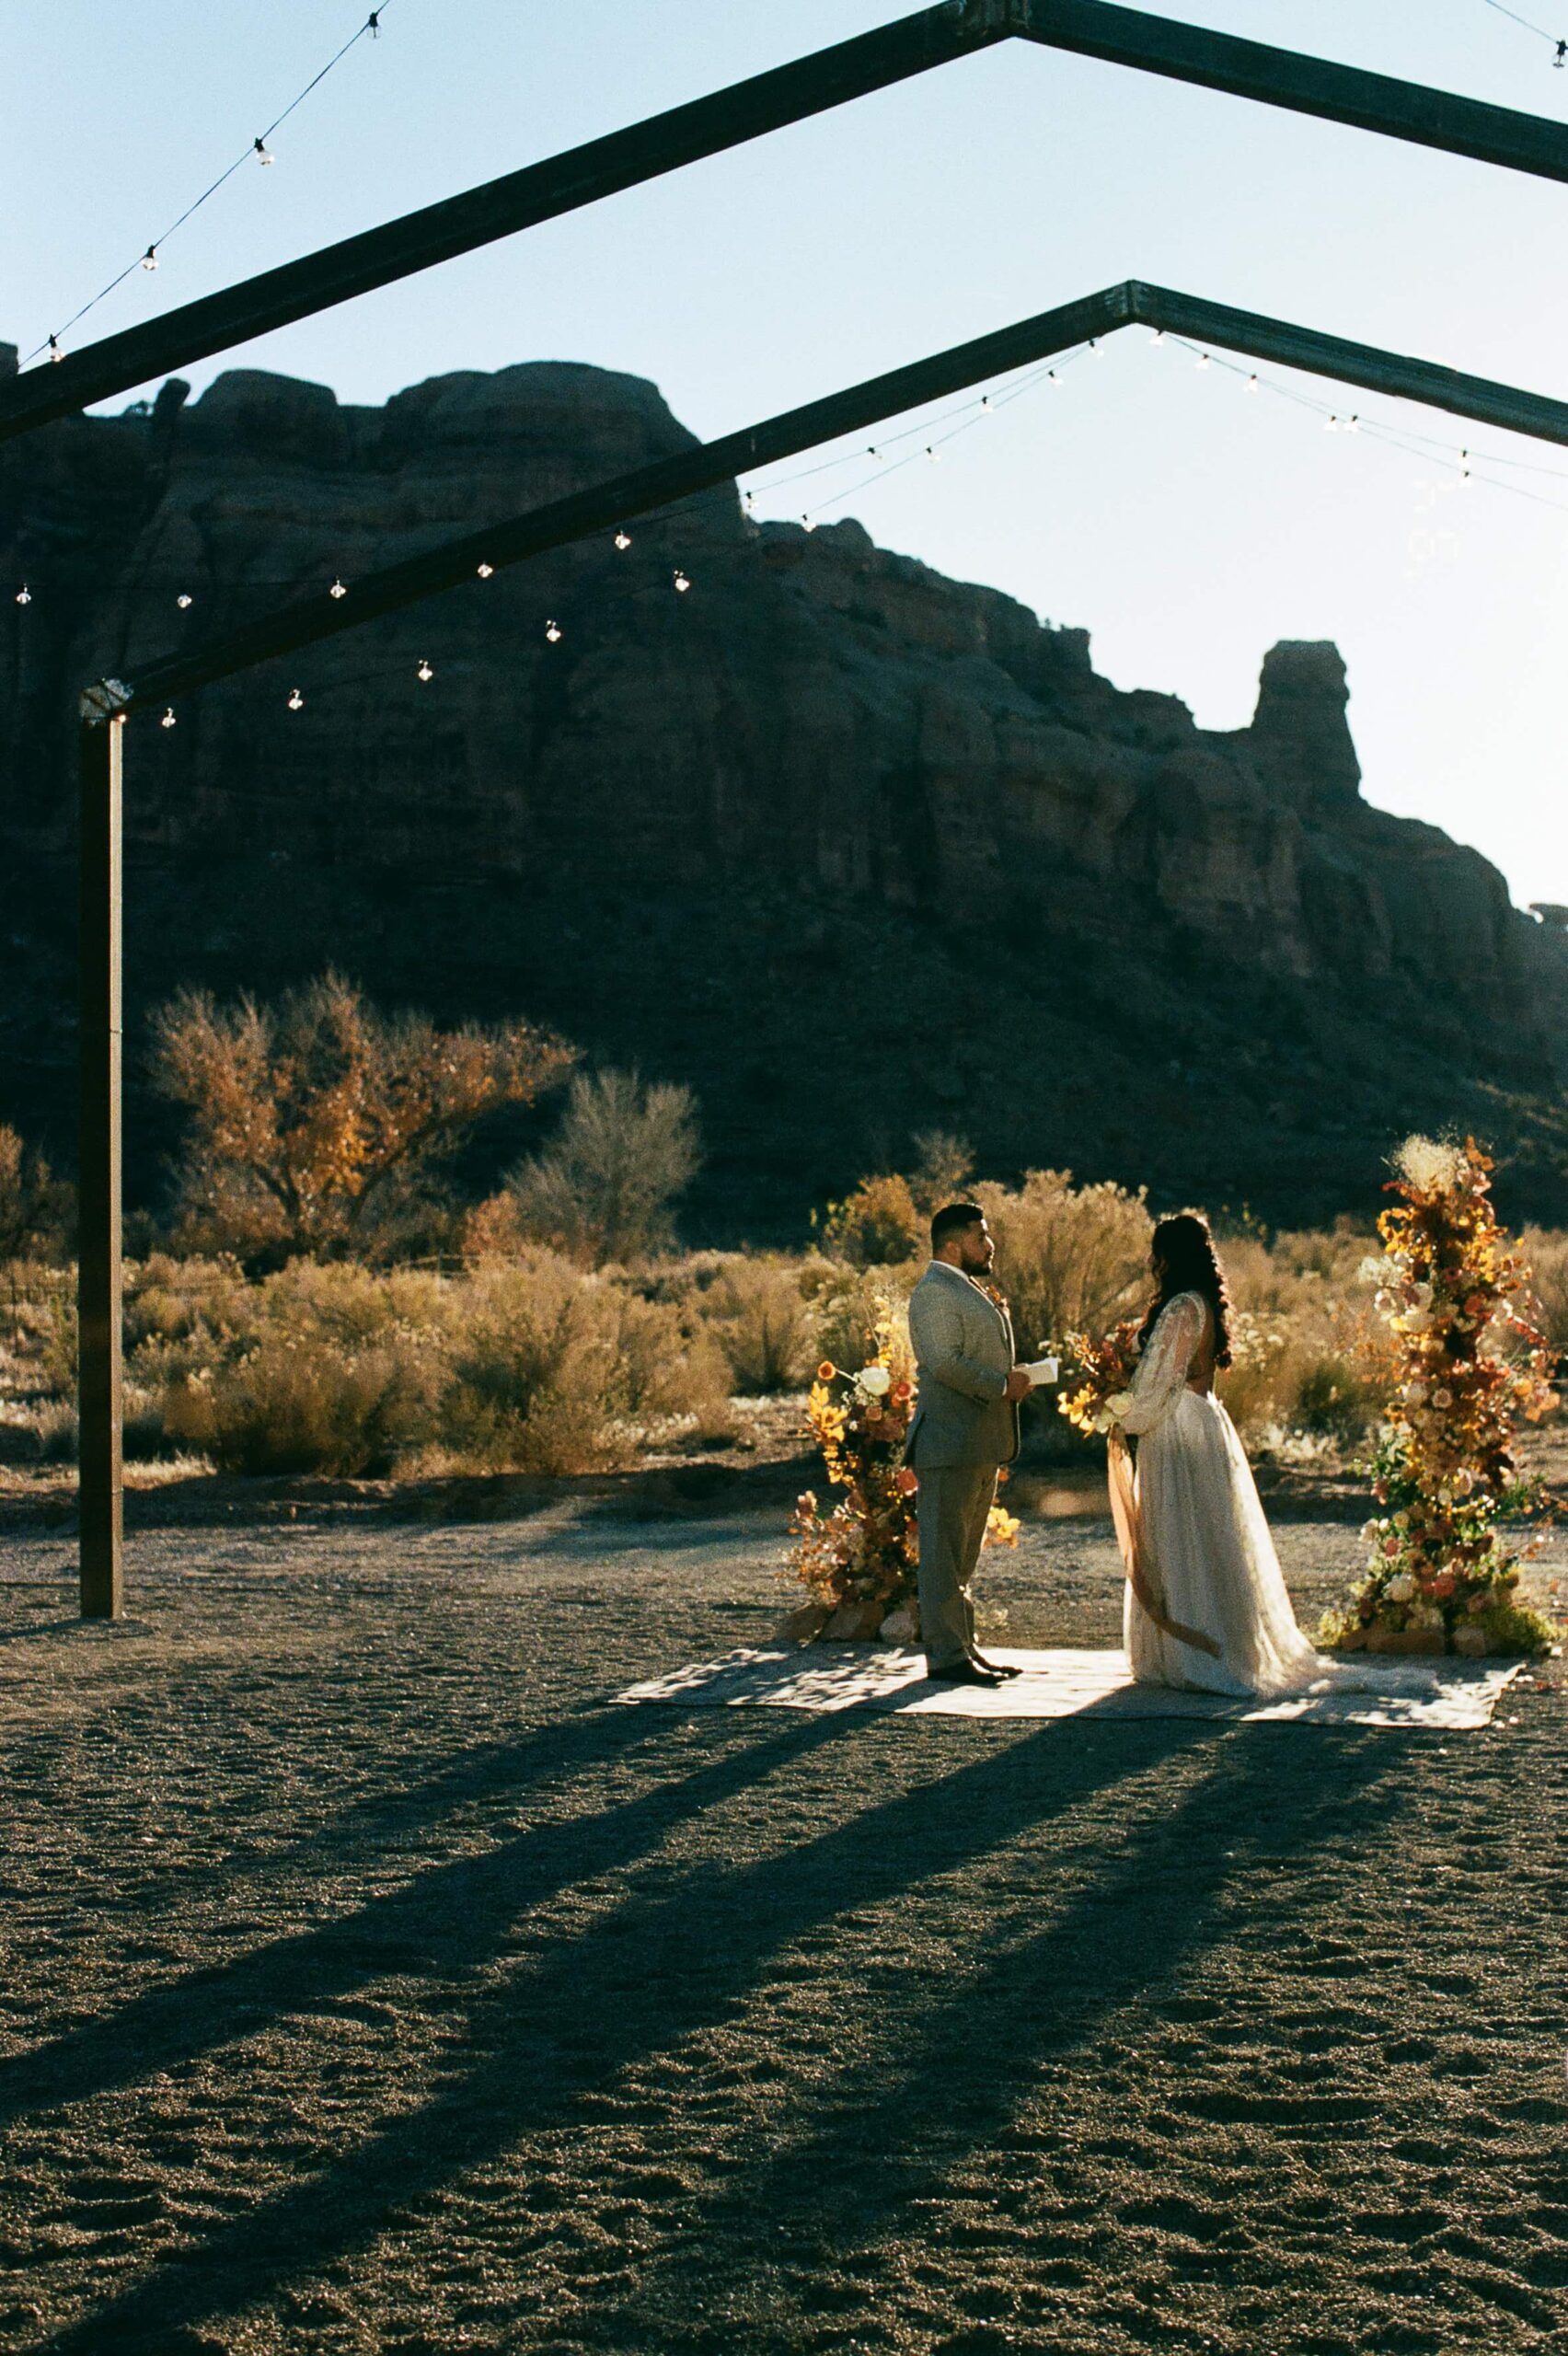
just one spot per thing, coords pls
(149, 258)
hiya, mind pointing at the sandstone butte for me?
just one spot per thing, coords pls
(852, 848)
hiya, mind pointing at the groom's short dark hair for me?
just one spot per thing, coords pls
(951, 1218)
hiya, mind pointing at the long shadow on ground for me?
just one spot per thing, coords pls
(681, 1953)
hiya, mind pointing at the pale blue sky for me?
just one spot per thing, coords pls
(1186, 526)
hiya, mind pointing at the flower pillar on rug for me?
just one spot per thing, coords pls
(858, 1562)
(1467, 1363)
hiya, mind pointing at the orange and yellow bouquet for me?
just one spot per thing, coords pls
(1466, 1362)
(1096, 1373)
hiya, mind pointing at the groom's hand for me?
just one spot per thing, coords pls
(1019, 1384)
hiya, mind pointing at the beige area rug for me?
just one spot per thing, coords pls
(1071, 1685)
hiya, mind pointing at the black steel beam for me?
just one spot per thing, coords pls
(98, 1324)
(1315, 86)
(511, 540)
(500, 208)
(514, 539)
(830, 77)
(1427, 381)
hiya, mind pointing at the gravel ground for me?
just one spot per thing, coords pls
(371, 1983)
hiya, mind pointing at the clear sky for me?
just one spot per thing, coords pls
(1187, 525)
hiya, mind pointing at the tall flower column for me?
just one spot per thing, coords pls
(1468, 1364)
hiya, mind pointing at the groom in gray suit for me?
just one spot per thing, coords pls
(965, 1426)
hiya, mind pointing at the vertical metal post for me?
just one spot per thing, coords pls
(99, 1393)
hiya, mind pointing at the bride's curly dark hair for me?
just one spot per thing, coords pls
(1184, 1249)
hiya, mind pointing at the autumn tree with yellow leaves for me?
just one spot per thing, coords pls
(320, 1126)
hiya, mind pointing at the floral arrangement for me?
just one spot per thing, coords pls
(1466, 1363)
(861, 1556)
(1099, 1372)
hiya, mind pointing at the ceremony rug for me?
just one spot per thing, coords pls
(1065, 1685)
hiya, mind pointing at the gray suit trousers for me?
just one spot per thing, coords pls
(954, 1500)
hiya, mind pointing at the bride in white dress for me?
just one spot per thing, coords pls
(1207, 1607)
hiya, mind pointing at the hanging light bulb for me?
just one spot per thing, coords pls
(1203, 360)
(183, 600)
(1331, 425)
(484, 570)
(296, 702)
(1096, 347)
(873, 451)
(337, 590)
(56, 351)
(1561, 57)
(150, 258)
(263, 153)
(425, 673)
(1254, 386)
(1465, 469)
(1158, 335)
(1353, 423)
(985, 400)
(373, 23)
(1052, 377)
(24, 596)
(623, 537)
(552, 631)
(932, 455)
(682, 579)
(167, 720)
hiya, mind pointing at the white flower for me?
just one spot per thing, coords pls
(1423, 1296)
(1414, 1394)
(1402, 1521)
(1401, 1587)
(1370, 1270)
(875, 1380)
(1370, 1529)
(1415, 1320)
(1429, 1167)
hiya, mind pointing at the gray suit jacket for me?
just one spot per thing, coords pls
(964, 1349)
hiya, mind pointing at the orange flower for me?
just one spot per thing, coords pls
(907, 1479)
(826, 1370)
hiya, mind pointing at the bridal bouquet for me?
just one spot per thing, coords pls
(859, 1559)
(1096, 1373)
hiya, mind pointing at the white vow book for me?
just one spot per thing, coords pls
(1040, 1371)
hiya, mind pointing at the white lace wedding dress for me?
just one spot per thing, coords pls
(1206, 1607)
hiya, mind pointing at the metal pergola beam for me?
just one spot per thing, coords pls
(728, 118)
(515, 539)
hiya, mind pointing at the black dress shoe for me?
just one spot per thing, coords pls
(963, 1672)
(996, 1667)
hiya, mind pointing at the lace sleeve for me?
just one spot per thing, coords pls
(1162, 1369)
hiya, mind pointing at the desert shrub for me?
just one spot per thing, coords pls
(877, 1226)
(944, 1164)
(760, 1319)
(1308, 1347)
(1546, 1250)
(35, 1208)
(557, 1371)
(320, 1126)
(305, 1403)
(1070, 1258)
(848, 1305)
(604, 1188)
